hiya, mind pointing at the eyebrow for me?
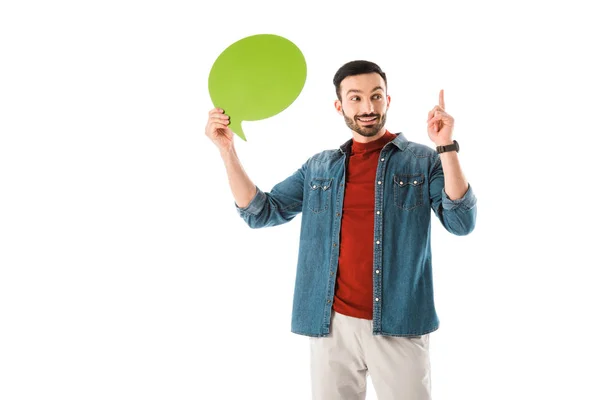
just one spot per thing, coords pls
(360, 91)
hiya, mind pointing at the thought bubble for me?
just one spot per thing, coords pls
(256, 78)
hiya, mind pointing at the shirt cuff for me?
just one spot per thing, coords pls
(256, 204)
(467, 202)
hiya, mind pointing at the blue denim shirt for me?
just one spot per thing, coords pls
(409, 182)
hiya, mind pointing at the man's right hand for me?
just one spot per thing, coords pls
(218, 131)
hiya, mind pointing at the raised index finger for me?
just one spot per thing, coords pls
(442, 104)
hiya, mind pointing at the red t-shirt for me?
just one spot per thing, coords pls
(354, 283)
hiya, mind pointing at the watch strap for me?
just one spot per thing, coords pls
(448, 147)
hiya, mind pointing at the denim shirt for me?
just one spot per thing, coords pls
(409, 182)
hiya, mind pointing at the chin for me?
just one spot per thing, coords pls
(367, 134)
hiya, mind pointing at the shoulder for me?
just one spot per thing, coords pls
(416, 155)
(326, 156)
(420, 150)
(413, 149)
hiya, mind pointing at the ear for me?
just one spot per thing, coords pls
(338, 106)
(388, 101)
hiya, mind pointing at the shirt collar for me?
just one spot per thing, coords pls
(399, 141)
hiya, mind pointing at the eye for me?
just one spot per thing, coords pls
(353, 98)
(378, 97)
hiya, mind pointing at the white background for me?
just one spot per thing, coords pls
(125, 272)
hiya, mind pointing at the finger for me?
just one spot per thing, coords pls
(435, 119)
(429, 115)
(214, 127)
(219, 117)
(442, 104)
(442, 114)
(432, 112)
(220, 124)
(216, 111)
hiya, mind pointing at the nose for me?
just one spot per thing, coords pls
(367, 107)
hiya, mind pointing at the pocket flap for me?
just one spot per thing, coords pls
(409, 179)
(321, 183)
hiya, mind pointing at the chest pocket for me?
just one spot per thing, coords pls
(319, 195)
(408, 191)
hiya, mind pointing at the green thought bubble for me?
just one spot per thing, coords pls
(255, 78)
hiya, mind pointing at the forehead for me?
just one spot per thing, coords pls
(363, 82)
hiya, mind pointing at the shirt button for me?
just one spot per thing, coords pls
(377, 242)
(402, 183)
(376, 271)
(378, 212)
(376, 298)
(325, 187)
(383, 159)
(335, 245)
(337, 214)
(314, 186)
(331, 273)
(415, 182)
(328, 301)
(379, 183)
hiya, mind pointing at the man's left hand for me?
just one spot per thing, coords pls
(440, 124)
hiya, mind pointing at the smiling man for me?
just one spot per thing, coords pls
(364, 287)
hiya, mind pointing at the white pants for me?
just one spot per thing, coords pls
(399, 366)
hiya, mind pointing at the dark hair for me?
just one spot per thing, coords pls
(356, 67)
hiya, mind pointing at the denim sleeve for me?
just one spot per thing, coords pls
(457, 216)
(278, 206)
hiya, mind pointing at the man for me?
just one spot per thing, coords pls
(363, 289)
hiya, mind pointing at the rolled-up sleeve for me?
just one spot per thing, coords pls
(457, 216)
(256, 204)
(278, 206)
(467, 202)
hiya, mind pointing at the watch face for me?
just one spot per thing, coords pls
(457, 147)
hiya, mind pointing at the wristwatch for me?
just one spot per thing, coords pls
(448, 147)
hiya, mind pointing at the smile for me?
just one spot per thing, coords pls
(369, 119)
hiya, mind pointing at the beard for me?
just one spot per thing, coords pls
(366, 131)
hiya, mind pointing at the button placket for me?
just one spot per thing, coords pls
(378, 275)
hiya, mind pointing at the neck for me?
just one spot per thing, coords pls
(364, 139)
